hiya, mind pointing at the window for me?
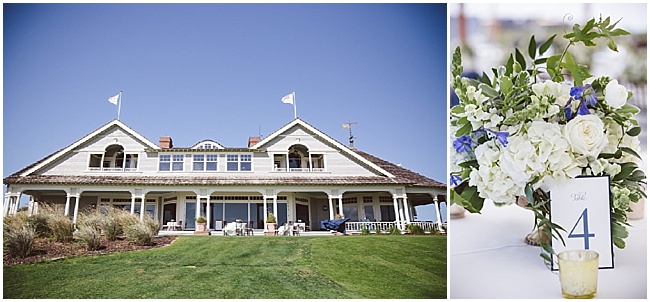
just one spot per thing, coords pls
(175, 162)
(164, 162)
(114, 159)
(203, 162)
(241, 162)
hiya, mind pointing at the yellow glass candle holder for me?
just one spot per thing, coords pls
(578, 273)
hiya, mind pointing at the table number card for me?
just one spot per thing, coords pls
(582, 206)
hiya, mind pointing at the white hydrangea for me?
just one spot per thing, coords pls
(560, 91)
(490, 179)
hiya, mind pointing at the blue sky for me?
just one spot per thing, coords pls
(218, 71)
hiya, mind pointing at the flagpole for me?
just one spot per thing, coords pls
(119, 106)
(295, 115)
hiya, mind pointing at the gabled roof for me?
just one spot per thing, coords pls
(58, 154)
(325, 137)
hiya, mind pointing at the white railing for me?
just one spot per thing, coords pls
(355, 226)
(96, 169)
(299, 169)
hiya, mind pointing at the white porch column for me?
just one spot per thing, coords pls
(143, 208)
(6, 205)
(132, 203)
(406, 210)
(331, 208)
(30, 206)
(66, 212)
(198, 207)
(266, 210)
(435, 201)
(398, 221)
(207, 212)
(275, 207)
(76, 209)
(309, 163)
(340, 205)
(17, 203)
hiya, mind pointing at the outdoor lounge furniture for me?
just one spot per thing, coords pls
(334, 225)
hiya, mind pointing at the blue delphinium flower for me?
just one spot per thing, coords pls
(455, 180)
(586, 95)
(501, 136)
(463, 143)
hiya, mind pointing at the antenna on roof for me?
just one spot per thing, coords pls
(348, 126)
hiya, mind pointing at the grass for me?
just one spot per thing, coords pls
(247, 267)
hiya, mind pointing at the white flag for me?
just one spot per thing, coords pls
(346, 126)
(114, 98)
(288, 99)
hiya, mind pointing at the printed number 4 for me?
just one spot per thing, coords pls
(585, 229)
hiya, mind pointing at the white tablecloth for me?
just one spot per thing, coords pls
(489, 259)
(231, 228)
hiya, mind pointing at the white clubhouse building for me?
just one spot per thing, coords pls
(297, 173)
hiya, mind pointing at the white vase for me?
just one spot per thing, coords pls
(638, 210)
(456, 211)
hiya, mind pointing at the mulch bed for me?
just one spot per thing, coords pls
(47, 249)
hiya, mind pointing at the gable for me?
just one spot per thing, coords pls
(74, 158)
(342, 160)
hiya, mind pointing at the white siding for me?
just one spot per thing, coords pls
(336, 162)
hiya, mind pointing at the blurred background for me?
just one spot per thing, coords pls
(489, 33)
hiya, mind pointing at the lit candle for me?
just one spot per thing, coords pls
(578, 273)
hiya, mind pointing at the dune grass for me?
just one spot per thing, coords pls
(247, 267)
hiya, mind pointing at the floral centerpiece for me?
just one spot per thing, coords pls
(516, 135)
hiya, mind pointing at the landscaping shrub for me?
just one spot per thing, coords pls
(139, 233)
(18, 238)
(61, 227)
(90, 236)
(393, 230)
(414, 229)
(377, 231)
(38, 222)
(112, 227)
(152, 225)
(93, 220)
(365, 231)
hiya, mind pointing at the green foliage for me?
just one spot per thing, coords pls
(201, 219)
(414, 229)
(365, 231)
(18, 236)
(270, 218)
(393, 230)
(377, 231)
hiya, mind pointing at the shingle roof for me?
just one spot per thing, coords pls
(401, 174)
(402, 177)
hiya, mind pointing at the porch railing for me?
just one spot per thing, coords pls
(355, 226)
(94, 169)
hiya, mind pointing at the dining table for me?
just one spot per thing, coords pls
(488, 258)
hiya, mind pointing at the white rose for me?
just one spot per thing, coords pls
(615, 94)
(586, 135)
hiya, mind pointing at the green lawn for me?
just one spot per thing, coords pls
(247, 267)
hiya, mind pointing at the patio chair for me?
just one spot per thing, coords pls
(249, 228)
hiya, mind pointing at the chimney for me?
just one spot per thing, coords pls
(166, 142)
(253, 140)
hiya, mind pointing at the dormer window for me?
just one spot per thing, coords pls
(207, 144)
(114, 159)
(298, 159)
